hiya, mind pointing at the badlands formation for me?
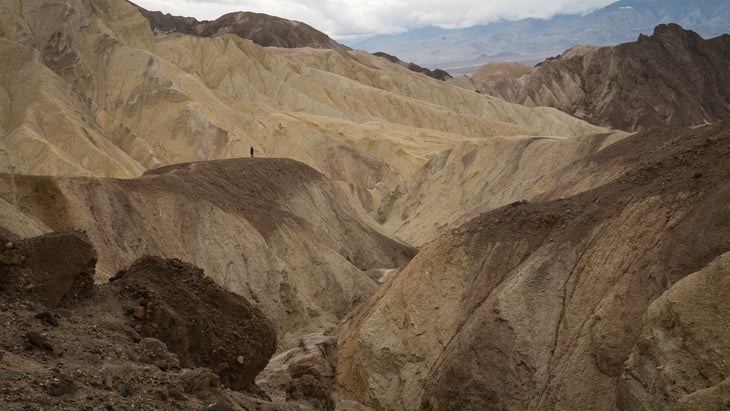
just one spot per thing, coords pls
(397, 242)
(672, 78)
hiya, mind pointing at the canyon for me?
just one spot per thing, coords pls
(194, 220)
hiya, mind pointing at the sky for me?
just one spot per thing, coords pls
(353, 20)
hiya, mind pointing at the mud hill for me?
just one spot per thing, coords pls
(544, 304)
(262, 29)
(272, 230)
(672, 78)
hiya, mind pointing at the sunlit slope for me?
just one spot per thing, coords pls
(117, 100)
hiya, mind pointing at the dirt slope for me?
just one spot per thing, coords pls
(540, 304)
(672, 78)
(475, 177)
(272, 230)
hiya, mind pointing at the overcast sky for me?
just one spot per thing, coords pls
(348, 20)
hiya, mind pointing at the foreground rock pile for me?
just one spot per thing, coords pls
(160, 336)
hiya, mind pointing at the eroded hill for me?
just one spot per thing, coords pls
(94, 92)
(272, 230)
(543, 304)
(672, 78)
(262, 29)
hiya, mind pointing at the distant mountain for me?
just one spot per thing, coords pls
(530, 41)
(669, 79)
(262, 29)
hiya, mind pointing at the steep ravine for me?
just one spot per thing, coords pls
(539, 305)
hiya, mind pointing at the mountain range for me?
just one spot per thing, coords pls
(529, 41)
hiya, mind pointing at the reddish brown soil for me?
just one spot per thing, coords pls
(203, 324)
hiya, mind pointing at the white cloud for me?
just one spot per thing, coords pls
(347, 19)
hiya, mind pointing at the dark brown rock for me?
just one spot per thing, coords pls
(310, 389)
(61, 385)
(262, 29)
(154, 351)
(438, 74)
(55, 269)
(38, 340)
(47, 318)
(201, 382)
(202, 323)
(672, 78)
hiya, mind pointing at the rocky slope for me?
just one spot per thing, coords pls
(272, 230)
(150, 339)
(556, 304)
(678, 359)
(438, 74)
(672, 78)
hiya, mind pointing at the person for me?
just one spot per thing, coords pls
(251, 151)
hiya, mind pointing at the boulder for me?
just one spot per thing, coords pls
(55, 269)
(202, 323)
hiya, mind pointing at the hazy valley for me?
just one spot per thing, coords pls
(529, 41)
(553, 237)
